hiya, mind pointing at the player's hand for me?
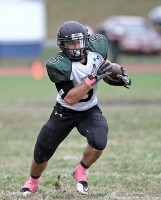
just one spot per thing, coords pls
(124, 78)
(102, 72)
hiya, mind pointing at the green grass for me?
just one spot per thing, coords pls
(130, 165)
(145, 87)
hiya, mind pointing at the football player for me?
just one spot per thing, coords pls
(75, 71)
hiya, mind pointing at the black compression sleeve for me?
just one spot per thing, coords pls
(64, 87)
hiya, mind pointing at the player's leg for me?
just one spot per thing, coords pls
(37, 168)
(94, 127)
(49, 138)
(90, 155)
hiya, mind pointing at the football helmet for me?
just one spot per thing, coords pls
(72, 38)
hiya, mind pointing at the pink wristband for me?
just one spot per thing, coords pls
(90, 82)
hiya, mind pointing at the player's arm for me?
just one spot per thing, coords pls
(75, 94)
(71, 94)
(65, 87)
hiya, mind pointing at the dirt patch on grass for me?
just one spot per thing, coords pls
(14, 71)
(143, 68)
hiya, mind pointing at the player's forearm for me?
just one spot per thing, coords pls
(77, 93)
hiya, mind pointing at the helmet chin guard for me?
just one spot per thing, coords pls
(75, 55)
(72, 38)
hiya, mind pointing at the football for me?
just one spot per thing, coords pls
(115, 70)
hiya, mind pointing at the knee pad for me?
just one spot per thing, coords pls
(42, 155)
(98, 140)
(43, 147)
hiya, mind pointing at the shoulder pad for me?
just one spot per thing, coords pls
(98, 43)
(59, 68)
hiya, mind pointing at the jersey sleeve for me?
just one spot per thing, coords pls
(59, 68)
(98, 43)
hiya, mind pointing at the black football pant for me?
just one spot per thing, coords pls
(90, 123)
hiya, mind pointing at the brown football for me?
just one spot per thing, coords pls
(115, 70)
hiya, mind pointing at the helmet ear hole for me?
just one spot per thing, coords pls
(73, 31)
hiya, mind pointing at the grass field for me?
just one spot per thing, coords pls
(130, 167)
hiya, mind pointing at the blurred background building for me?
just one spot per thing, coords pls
(23, 27)
(29, 27)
